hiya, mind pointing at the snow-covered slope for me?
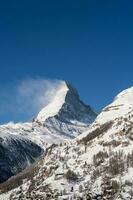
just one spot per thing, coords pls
(98, 164)
(55, 105)
(122, 106)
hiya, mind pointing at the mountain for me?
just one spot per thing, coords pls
(65, 117)
(98, 164)
(66, 114)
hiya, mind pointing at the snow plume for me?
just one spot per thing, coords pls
(37, 93)
(28, 97)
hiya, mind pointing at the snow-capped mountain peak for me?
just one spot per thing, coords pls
(66, 114)
(66, 99)
(56, 103)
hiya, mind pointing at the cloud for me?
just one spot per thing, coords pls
(24, 100)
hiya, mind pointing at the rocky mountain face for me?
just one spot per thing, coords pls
(98, 164)
(65, 117)
(16, 153)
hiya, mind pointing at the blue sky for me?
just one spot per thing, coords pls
(86, 42)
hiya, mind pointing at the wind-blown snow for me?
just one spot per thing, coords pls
(55, 105)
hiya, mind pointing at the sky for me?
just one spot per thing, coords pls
(89, 43)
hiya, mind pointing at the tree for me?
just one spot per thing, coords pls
(71, 176)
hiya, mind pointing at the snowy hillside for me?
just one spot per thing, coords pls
(98, 164)
(119, 112)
